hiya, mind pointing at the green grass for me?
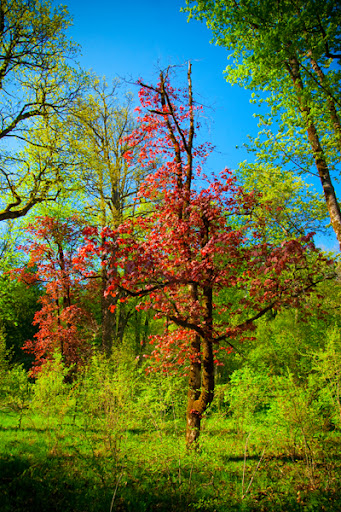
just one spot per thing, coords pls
(52, 464)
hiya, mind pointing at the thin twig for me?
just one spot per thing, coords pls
(255, 471)
(114, 495)
(244, 463)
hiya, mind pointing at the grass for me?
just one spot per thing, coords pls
(53, 463)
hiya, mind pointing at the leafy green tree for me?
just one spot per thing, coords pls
(18, 305)
(288, 206)
(100, 122)
(37, 84)
(14, 384)
(18, 302)
(289, 50)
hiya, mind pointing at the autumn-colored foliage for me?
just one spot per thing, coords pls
(197, 260)
(65, 323)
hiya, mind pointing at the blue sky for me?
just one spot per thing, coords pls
(135, 38)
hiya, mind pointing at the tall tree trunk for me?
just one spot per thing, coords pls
(114, 323)
(319, 157)
(201, 376)
(335, 120)
(108, 316)
(201, 388)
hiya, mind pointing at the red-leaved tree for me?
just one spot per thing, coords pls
(197, 260)
(65, 322)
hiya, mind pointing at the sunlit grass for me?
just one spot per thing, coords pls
(69, 466)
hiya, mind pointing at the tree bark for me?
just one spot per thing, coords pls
(194, 386)
(108, 321)
(319, 157)
(335, 120)
(201, 377)
(199, 399)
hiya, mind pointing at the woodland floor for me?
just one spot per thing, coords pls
(58, 464)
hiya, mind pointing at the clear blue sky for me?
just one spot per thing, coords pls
(135, 38)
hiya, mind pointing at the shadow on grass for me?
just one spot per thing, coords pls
(13, 428)
(57, 484)
(47, 486)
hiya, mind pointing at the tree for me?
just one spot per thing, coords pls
(196, 261)
(65, 321)
(18, 303)
(36, 85)
(290, 50)
(291, 206)
(100, 122)
(96, 135)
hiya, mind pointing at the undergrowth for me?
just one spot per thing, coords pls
(113, 440)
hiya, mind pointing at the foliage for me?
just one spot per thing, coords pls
(291, 53)
(248, 396)
(292, 207)
(102, 183)
(99, 124)
(15, 389)
(90, 444)
(326, 375)
(64, 321)
(18, 302)
(51, 391)
(37, 84)
(196, 248)
(18, 305)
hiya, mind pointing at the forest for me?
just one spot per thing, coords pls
(169, 334)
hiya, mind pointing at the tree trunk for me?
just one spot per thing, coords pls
(201, 377)
(108, 316)
(108, 321)
(113, 323)
(335, 120)
(319, 157)
(194, 386)
(199, 399)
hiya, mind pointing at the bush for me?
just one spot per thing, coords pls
(15, 389)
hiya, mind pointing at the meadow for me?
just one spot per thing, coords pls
(112, 439)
